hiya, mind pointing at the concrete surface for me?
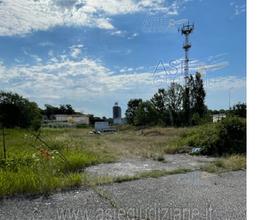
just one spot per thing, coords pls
(132, 167)
(194, 195)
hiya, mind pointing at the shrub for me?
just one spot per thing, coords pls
(232, 136)
(225, 137)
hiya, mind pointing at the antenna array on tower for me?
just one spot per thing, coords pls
(186, 30)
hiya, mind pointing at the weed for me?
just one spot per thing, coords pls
(231, 163)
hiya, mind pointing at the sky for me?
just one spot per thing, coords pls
(92, 53)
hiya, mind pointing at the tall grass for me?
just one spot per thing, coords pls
(35, 167)
(30, 181)
(32, 167)
(231, 163)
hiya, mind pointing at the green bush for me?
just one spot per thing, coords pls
(225, 137)
(232, 136)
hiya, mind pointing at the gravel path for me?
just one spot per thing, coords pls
(132, 167)
(194, 195)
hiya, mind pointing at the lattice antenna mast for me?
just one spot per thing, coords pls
(186, 30)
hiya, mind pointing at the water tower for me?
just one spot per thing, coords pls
(117, 117)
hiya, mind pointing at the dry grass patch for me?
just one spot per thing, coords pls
(231, 163)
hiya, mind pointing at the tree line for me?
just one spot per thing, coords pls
(51, 110)
(175, 106)
(17, 111)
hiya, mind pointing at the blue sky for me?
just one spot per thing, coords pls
(91, 53)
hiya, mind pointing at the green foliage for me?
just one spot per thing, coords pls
(239, 110)
(174, 106)
(33, 167)
(133, 105)
(62, 109)
(225, 137)
(186, 113)
(198, 96)
(16, 111)
(159, 101)
(173, 103)
(146, 114)
(232, 136)
(30, 181)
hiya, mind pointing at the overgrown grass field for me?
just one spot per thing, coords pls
(55, 160)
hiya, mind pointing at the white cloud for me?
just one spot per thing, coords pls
(19, 17)
(76, 50)
(204, 66)
(82, 78)
(225, 83)
(238, 8)
(118, 33)
(67, 78)
(86, 78)
(132, 36)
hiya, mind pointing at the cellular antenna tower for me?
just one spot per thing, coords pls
(186, 30)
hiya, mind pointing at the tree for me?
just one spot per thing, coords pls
(159, 101)
(63, 109)
(192, 92)
(174, 106)
(186, 106)
(146, 114)
(173, 102)
(133, 104)
(66, 109)
(49, 110)
(198, 96)
(239, 110)
(16, 111)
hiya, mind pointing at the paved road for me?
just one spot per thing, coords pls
(194, 195)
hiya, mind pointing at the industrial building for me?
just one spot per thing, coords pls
(218, 117)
